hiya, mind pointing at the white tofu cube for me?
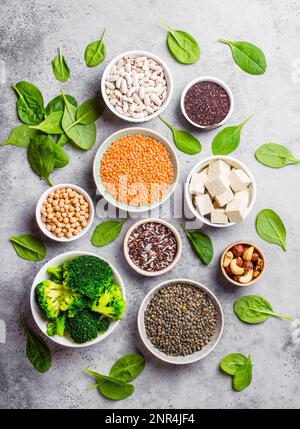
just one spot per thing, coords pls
(218, 167)
(204, 204)
(197, 183)
(217, 185)
(225, 198)
(239, 180)
(243, 195)
(218, 216)
(236, 210)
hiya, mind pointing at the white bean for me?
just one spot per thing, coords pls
(118, 94)
(132, 107)
(124, 87)
(142, 92)
(118, 83)
(114, 101)
(136, 98)
(119, 109)
(111, 78)
(149, 110)
(109, 85)
(155, 99)
(128, 67)
(146, 99)
(131, 91)
(125, 107)
(120, 63)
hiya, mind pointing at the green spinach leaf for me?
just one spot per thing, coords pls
(243, 376)
(63, 139)
(228, 139)
(30, 104)
(29, 247)
(60, 67)
(201, 243)
(61, 158)
(20, 136)
(107, 231)
(95, 52)
(51, 124)
(270, 228)
(110, 387)
(37, 351)
(248, 57)
(231, 363)
(128, 367)
(58, 104)
(41, 156)
(183, 140)
(183, 46)
(275, 155)
(83, 136)
(255, 309)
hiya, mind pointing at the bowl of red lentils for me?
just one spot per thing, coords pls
(136, 169)
(65, 212)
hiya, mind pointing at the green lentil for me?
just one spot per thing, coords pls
(180, 319)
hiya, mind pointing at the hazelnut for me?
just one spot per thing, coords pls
(239, 262)
(228, 271)
(255, 257)
(238, 250)
(248, 265)
(236, 278)
(256, 274)
(260, 265)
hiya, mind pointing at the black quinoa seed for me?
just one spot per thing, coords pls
(180, 319)
(206, 103)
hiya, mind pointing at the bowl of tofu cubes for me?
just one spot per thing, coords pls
(220, 191)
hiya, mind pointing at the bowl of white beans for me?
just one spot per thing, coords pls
(65, 212)
(137, 86)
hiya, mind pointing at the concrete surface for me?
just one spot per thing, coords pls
(30, 32)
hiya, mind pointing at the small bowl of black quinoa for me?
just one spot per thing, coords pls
(180, 321)
(207, 102)
(152, 247)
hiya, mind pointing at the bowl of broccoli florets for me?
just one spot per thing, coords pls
(77, 299)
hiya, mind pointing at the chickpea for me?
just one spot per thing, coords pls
(73, 225)
(44, 219)
(84, 223)
(50, 200)
(61, 203)
(64, 215)
(53, 228)
(60, 225)
(87, 216)
(50, 210)
(72, 209)
(69, 190)
(52, 195)
(50, 216)
(65, 221)
(58, 230)
(62, 210)
(69, 235)
(55, 203)
(75, 232)
(60, 235)
(48, 227)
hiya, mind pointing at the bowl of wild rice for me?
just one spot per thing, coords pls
(152, 247)
(180, 321)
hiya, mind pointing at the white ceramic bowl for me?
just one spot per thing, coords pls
(41, 224)
(203, 164)
(39, 316)
(181, 360)
(168, 77)
(152, 273)
(209, 79)
(134, 131)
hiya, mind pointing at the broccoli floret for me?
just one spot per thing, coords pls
(51, 328)
(57, 272)
(60, 324)
(84, 326)
(110, 303)
(103, 325)
(78, 304)
(53, 298)
(87, 274)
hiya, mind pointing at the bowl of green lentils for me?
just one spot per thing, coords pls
(180, 321)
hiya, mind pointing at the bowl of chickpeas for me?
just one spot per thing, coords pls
(65, 212)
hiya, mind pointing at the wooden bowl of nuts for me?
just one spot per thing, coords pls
(64, 212)
(243, 263)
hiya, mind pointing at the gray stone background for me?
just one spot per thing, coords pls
(30, 32)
